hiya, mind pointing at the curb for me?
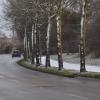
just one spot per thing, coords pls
(55, 71)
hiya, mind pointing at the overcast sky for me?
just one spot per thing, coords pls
(4, 25)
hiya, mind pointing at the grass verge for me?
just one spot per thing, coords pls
(55, 71)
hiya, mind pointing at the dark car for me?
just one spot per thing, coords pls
(16, 53)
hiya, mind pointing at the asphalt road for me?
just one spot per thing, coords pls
(18, 83)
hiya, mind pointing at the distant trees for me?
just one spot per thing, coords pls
(7, 43)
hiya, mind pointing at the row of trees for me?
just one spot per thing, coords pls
(32, 18)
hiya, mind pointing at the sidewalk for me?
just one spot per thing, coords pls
(70, 66)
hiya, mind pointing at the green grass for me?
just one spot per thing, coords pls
(55, 71)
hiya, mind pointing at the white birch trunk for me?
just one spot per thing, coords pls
(33, 49)
(32, 37)
(48, 33)
(83, 19)
(24, 47)
(37, 46)
(48, 42)
(83, 37)
(25, 44)
(28, 47)
(59, 41)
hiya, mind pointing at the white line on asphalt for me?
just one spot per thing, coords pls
(77, 96)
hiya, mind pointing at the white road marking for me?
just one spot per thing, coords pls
(77, 96)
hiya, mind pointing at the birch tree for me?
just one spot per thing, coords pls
(25, 45)
(85, 7)
(50, 15)
(48, 43)
(33, 45)
(61, 4)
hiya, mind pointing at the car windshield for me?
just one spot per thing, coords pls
(16, 51)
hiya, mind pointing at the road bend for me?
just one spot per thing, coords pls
(18, 83)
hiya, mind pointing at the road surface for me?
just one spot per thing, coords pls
(18, 83)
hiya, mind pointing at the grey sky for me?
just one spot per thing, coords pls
(4, 25)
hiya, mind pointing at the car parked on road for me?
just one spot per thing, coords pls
(16, 53)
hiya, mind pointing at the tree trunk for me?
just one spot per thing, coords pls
(29, 51)
(37, 46)
(25, 43)
(59, 42)
(30, 46)
(33, 46)
(25, 47)
(40, 48)
(48, 42)
(83, 36)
